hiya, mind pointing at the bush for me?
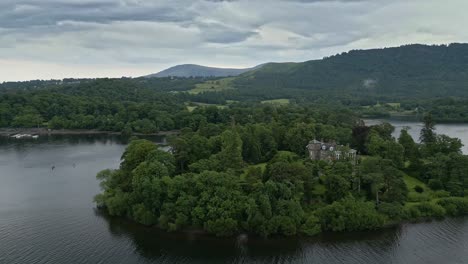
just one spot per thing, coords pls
(440, 194)
(423, 210)
(418, 197)
(394, 211)
(222, 226)
(142, 215)
(418, 189)
(311, 227)
(435, 184)
(454, 206)
(350, 214)
(412, 212)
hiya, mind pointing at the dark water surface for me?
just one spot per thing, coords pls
(47, 216)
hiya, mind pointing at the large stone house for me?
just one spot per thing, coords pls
(330, 151)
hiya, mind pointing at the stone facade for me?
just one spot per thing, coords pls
(330, 151)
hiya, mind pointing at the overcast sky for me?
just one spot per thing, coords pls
(44, 39)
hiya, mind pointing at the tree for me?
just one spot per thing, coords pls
(428, 135)
(298, 136)
(230, 156)
(382, 180)
(136, 153)
(384, 130)
(360, 135)
(388, 149)
(311, 226)
(28, 119)
(445, 144)
(411, 150)
(337, 187)
(410, 147)
(350, 214)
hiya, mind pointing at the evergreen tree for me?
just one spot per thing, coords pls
(428, 135)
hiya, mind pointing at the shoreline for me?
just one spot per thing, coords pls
(7, 132)
(412, 119)
(201, 233)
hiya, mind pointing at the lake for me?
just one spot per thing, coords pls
(452, 130)
(47, 216)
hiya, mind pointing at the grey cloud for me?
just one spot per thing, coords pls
(48, 12)
(151, 34)
(218, 33)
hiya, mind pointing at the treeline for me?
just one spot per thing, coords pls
(247, 170)
(101, 104)
(127, 105)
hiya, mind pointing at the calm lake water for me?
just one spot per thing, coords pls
(452, 130)
(47, 216)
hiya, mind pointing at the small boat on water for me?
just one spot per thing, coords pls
(18, 136)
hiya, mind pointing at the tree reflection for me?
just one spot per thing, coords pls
(154, 244)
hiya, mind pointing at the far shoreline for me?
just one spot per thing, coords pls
(7, 132)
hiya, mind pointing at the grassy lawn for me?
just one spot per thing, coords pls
(193, 105)
(395, 105)
(276, 101)
(413, 195)
(411, 182)
(261, 166)
(191, 108)
(213, 86)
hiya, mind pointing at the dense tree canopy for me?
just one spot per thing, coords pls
(242, 170)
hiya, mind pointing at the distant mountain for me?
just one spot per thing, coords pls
(417, 71)
(193, 70)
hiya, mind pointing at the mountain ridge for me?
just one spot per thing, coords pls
(195, 70)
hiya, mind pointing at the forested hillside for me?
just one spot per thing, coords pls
(416, 71)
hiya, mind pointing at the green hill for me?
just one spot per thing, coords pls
(411, 71)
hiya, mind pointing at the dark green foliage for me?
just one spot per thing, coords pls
(360, 136)
(448, 172)
(411, 150)
(244, 168)
(311, 226)
(411, 71)
(385, 148)
(427, 132)
(419, 189)
(380, 179)
(393, 211)
(454, 206)
(350, 214)
(425, 210)
(259, 145)
(104, 104)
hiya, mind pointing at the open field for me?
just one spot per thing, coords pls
(213, 86)
(193, 105)
(276, 101)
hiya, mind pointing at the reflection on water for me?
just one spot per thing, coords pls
(156, 245)
(432, 242)
(47, 216)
